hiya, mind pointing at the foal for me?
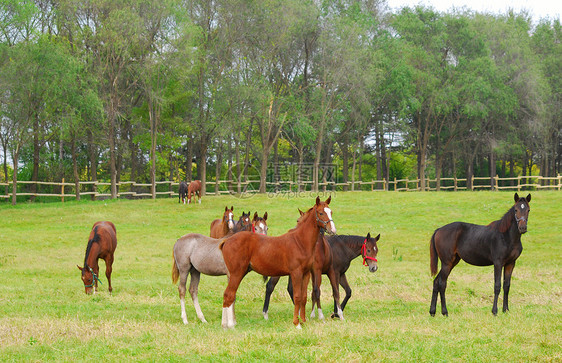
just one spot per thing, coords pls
(220, 228)
(194, 188)
(288, 254)
(182, 192)
(101, 244)
(498, 244)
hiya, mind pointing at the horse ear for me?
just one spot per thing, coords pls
(265, 216)
(301, 212)
(516, 197)
(329, 200)
(317, 200)
(232, 208)
(255, 216)
(368, 235)
(80, 268)
(225, 208)
(528, 197)
(377, 237)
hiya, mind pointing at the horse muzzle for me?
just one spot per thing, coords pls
(522, 228)
(373, 268)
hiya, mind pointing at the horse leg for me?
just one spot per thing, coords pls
(507, 271)
(198, 197)
(343, 282)
(193, 288)
(182, 289)
(335, 292)
(290, 289)
(440, 283)
(297, 280)
(304, 286)
(228, 318)
(108, 270)
(268, 291)
(315, 296)
(497, 286)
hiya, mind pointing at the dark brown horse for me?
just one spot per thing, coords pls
(221, 227)
(344, 249)
(259, 224)
(101, 244)
(194, 188)
(288, 254)
(244, 224)
(498, 244)
(182, 192)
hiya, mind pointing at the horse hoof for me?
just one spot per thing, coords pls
(432, 314)
(335, 316)
(299, 327)
(266, 316)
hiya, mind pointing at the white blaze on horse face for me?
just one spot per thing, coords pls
(329, 214)
(230, 221)
(522, 206)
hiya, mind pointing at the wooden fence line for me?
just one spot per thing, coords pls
(230, 186)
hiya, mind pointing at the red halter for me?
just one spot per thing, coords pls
(364, 253)
(253, 228)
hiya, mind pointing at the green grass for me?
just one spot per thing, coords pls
(45, 315)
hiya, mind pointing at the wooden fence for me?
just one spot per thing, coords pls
(129, 189)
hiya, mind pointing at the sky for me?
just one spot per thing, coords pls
(537, 8)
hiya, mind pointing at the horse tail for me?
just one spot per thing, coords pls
(221, 244)
(175, 270)
(433, 255)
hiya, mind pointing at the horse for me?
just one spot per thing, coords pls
(194, 188)
(197, 254)
(498, 244)
(219, 228)
(288, 254)
(259, 224)
(101, 244)
(344, 249)
(243, 224)
(182, 192)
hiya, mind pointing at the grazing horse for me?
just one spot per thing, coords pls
(344, 249)
(196, 254)
(182, 192)
(288, 254)
(101, 244)
(259, 224)
(220, 228)
(498, 244)
(194, 188)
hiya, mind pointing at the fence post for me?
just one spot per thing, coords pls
(472, 183)
(519, 183)
(395, 183)
(62, 190)
(455, 183)
(496, 182)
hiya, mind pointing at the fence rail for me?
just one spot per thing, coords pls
(130, 189)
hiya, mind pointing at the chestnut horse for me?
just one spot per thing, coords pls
(498, 244)
(182, 192)
(101, 244)
(195, 254)
(219, 228)
(194, 188)
(288, 254)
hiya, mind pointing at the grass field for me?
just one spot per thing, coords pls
(45, 315)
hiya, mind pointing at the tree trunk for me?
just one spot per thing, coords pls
(75, 167)
(247, 150)
(92, 153)
(276, 165)
(493, 170)
(202, 163)
(238, 168)
(218, 166)
(15, 158)
(229, 164)
(189, 159)
(36, 147)
(153, 118)
(327, 164)
(111, 141)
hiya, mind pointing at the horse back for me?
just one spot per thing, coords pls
(201, 252)
(475, 244)
(107, 234)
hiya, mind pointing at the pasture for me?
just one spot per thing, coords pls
(45, 315)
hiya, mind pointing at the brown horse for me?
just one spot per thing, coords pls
(259, 224)
(288, 254)
(220, 228)
(498, 244)
(101, 244)
(194, 188)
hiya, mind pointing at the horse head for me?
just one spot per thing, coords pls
(259, 223)
(227, 217)
(324, 215)
(522, 210)
(369, 252)
(244, 223)
(88, 277)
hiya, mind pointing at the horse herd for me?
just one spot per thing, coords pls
(304, 253)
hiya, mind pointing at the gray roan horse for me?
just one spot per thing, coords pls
(196, 254)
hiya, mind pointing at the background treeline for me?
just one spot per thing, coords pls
(236, 89)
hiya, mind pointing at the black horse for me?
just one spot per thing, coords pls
(498, 244)
(183, 192)
(344, 249)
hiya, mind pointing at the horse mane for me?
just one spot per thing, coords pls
(504, 224)
(350, 240)
(94, 239)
